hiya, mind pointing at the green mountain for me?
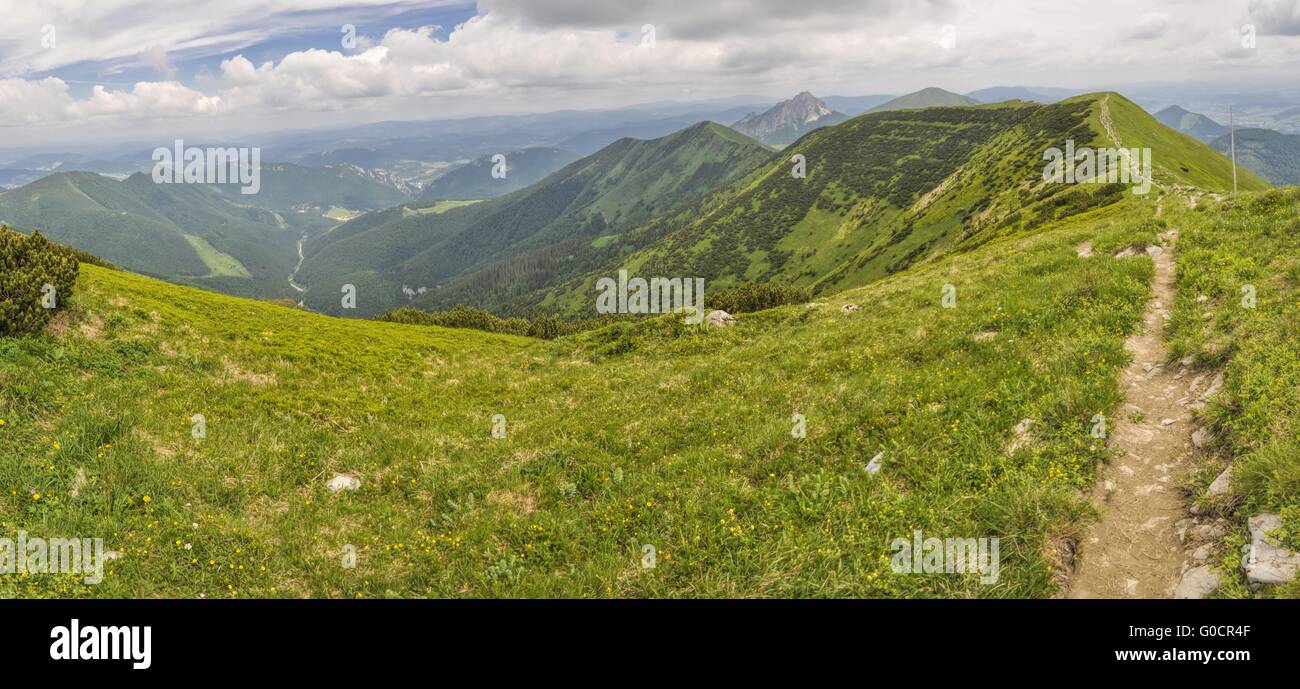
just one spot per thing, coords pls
(1193, 124)
(925, 98)
(474, 180)
(1269, 154)
(183, 232)
(490, 251)
(890, 189)
(289, 187)
(212, 236)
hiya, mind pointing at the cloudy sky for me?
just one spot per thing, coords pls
(112, 69)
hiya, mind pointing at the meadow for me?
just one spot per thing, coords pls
(643, 433)
(1238, 309)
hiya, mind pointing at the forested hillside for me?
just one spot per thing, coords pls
(516, 242)
(886, 190)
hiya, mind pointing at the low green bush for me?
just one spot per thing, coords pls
(545, 327)
(756, 297)
(36, 278)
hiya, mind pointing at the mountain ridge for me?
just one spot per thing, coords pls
(938, 179)
(518, 237)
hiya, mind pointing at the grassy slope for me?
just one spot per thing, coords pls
(1225, 247)
(890, 189)
(646, 433)
(883, 190)
(148, 228)
(1177, 158)
(101, 216)
(218, 263)
(495, 246)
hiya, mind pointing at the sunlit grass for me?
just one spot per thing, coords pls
(642, 433)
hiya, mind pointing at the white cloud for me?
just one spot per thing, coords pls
(146, 99)
(24, 102)
(156, 57)
(29, 102)
(1276, 17)
(559, 50)
(117, 30)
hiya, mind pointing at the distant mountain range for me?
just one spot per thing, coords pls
(491, 251)
(925, 98)
(1037, 94)
(1193, 124)
(1272, 155)
(855, 105)
(28, 169)
(917, 175)
(1269, 154)
(207, 235)
(475, 180)
(788, 120)
(884, 191)
(398, 145)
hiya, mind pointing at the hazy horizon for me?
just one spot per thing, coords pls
(69, 75)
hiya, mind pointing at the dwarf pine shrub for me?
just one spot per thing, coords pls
(547, 327)
(36, 278)
(756, 297)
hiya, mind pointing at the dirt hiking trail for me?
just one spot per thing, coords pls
(1134, 551)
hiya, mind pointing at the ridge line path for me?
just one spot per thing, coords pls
(1134, 550)
(1108, 124)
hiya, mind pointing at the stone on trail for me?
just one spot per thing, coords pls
(342, 482)
(1022, 436)
(1208, 532)
(1214, 386)
(1197, 582)
(720, 318)
(1221, 485)
(873, 467)
(1267, 562)
(78, 482)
